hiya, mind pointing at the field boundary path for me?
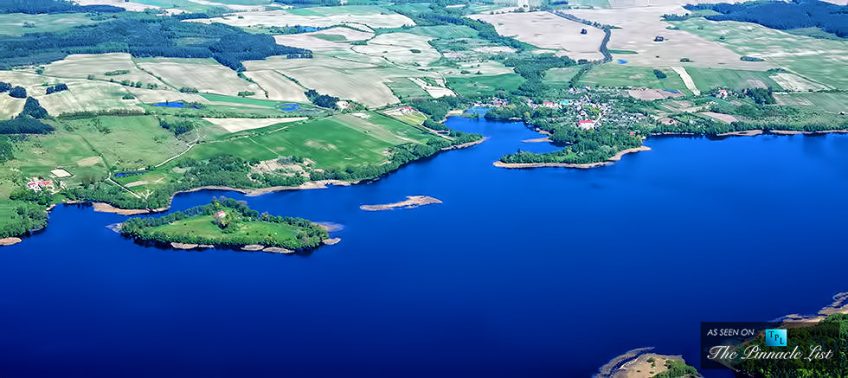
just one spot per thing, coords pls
(687, 80)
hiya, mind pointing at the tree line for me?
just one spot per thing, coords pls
(53, 6)
(309, 235)
(145, 36)
(28, 121)
(783, 15)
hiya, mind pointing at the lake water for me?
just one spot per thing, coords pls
(520, 273)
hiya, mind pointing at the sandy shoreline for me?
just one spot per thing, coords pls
(9, 241)
(411, 202)
(464, 145)
(609, 161)
(742, 133)
(537, 140)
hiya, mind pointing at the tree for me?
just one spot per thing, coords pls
(32, 108)
(18, 92)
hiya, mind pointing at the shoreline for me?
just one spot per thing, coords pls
(102, 207)
(5, 242)
(465, 145)
(607, 162)
(410, 202)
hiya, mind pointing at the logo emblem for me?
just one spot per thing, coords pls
(776, 337)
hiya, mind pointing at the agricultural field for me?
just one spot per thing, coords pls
(406, 114)
(135, 6)
(484, 85)
(127, 143)
(624, 76)
(834, 102)
(38, 155)
(819, 62)
(205, 75)
(636, 28)
(709, 78)
(344, 74)
(109, 67)
(340, 141)
(362, 17)
(276, 86)
(560, 76)
(19, 24)
(405, 88)
(548, 31)
(234, 125)
(327, 39)
(404, 49)
(442, 31)
(10, 107)
(86, 96)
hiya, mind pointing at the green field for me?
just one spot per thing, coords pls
(19, 24)
(39, 154)
(484, 85)
(821, 60)
(560, 76)
(341, 141)
(204, 227)
(709, 78)
(443, 31)
(185, 5)
(834, 102)
(128, 143)
(355, 10)
(623, 76)
(226, 222)
(404, 88)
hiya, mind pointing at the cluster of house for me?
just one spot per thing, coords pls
(37, 184)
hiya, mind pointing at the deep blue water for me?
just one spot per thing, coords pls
(520, 273)
(170, 104)
(289, 107)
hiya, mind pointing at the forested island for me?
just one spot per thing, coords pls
(227, 223)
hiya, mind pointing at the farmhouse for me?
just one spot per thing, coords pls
(586, 124)
(36, 184)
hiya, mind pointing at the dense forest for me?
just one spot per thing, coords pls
(322, 100)
(53, 6)
(145, 36)
(309, 234)
(28, 217)
(532, 68)
(28, 121)
(438, 14)
(783, 15)
(582, 146)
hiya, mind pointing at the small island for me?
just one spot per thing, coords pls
(410, 202)
(227, 223)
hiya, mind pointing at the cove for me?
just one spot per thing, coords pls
(531, 273)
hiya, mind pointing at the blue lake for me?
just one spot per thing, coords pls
(289, 107)
(520, 273)
(175, 104)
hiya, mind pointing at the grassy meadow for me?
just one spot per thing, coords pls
(484, 85)
(709, 78)
(624, 76)
(19, 24)
(820, 60)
